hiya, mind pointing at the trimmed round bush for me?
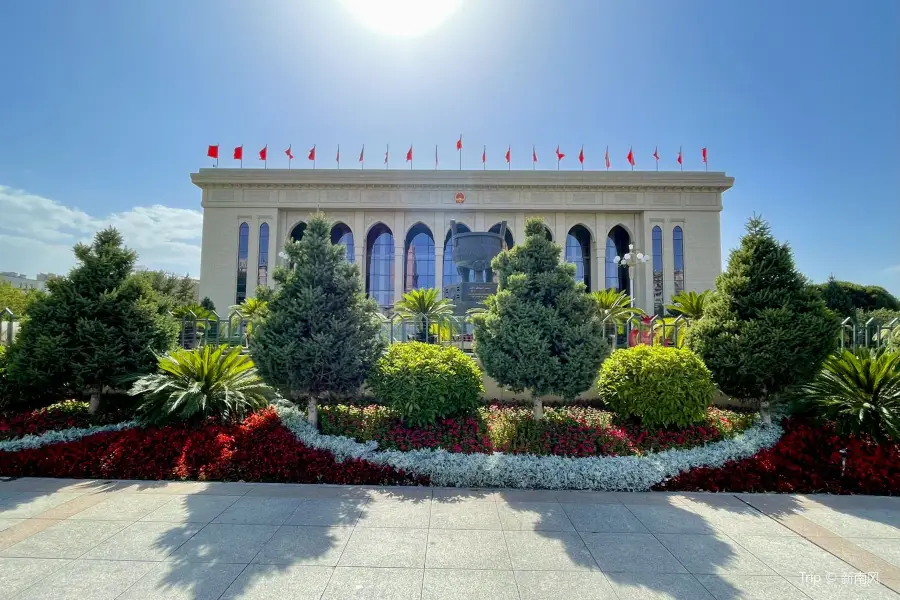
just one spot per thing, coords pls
(663, 386)
(426, 382)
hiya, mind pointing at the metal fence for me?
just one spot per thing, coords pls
(196, 331)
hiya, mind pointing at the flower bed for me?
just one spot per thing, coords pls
(564, 431)
(62, 415)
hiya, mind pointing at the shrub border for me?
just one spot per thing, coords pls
(32, 441)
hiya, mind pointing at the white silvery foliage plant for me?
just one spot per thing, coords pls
(622, 473)
(30, 442)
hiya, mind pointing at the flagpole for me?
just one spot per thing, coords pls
(460, 152)
(339, 157)
(435, 157)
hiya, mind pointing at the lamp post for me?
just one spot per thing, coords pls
(631, 260)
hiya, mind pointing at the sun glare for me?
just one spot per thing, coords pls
(408, 18)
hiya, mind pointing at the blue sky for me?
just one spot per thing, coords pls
(106, 108)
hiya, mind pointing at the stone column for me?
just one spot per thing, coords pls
(398, 269)
(439, 267)
(560, 233)
(668, 261)
(359, 245)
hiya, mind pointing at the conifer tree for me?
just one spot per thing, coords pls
(321, 333)
(540, 331)
(766, 328)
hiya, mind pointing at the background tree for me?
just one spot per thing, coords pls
(94, 327)
(765, 329)
(846, 298)
(208, 304)
(321, 333)
(540, 331)
(173, 290)
(16, 299)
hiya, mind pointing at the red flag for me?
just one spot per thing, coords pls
(581, 155)
(409, 155)
(656, 153)
(362, 153)
(386, 150)
(312, 153)
(607, 158)
(264, 153)
(704, 154)
(459, 143)
(559, 155)
(680, 162)
(213, 151)
(630, 157)
(533, 155)
(239, 153)
(288, 153)
(436, 163)
(484, 155)
(508, 154)
(337, 157)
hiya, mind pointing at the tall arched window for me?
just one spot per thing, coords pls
(547, 233)
(578, 252)
(508, 241)
(418, 266)
(616, 245)
(451, 275)
(243, 248)
(380, 268)
(678, 253)
(341, 234)
(657, 270)
(262, 276)
(297, 231)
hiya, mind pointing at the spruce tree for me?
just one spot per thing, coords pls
(766, 328)
(540, 331)
(94, 327)
(321, 333)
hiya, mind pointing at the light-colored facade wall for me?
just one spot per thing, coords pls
(401, 199)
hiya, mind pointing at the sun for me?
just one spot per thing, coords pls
(406, 18)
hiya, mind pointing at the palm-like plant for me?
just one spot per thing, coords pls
(859, 392)
(250, 311)
(209, 381)
(615, 306)
(423, 306)
(688, 304)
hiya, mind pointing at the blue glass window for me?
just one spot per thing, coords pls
(243, 248)
(616, 245)
(380, 272)
(657, 270)
(578, 252)
(341, 234)
(678, 253)
(418, 268)
(508, 241)
(451, 275)
(262, 277)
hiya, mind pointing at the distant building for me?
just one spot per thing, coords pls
(21, 281)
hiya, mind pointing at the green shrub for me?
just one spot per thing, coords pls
(209, 381)
(860, 392)
(4, 388)
(663, 386)
(363, 423)
(425, 382)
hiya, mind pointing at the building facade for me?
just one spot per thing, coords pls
(395, 224)
(23, 282)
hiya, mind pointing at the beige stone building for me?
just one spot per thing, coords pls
(395, 224)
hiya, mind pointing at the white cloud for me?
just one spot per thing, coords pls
(37, 234)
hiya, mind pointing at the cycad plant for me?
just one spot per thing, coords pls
(615, 307)
(423, 307)
(859, 392)
(209, 381)
(688, 304)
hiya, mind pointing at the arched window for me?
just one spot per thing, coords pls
(451, 275)
(547, 233)
(508, 241)
(243, 248)
(380, 268)
(262, 276)
(297, 231)
(616, 245)
(657, 270)
(418, 266)
(341, 234)
(678, 253)
(578, 252)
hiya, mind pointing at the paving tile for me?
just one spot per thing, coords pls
(657, 586)
(259, 511)
(739, 520)
(587, 497)
(22, 531)
(823, 588)
(863, 523)
(792, 556)
(7, 523)
(408, 513)
(603, 518)
(548, 551)
(651, 498)
(466, 549)
(224, 543)
(144, 541)
(292, 545)
(858, 557)
(462, 494)
(543, 516)
(712, 554)
(526, 496)
(396, 493)
(466, 515)
(264, 582)
(53, 484)
(711, 499)
(65, 539)
(670, 519)
(631, 553)
(198, 508)
(392, 547)
(307, 491)
(327, 512)
(750, 587)
(188, 488)
(885, 548)
(19, 573)
(184, 581)
(27, 505)
(557, 585)
(451, 584)
(122, 507)
(362, 583)
(94, 579)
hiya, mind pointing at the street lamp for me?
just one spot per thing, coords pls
(631, 260)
